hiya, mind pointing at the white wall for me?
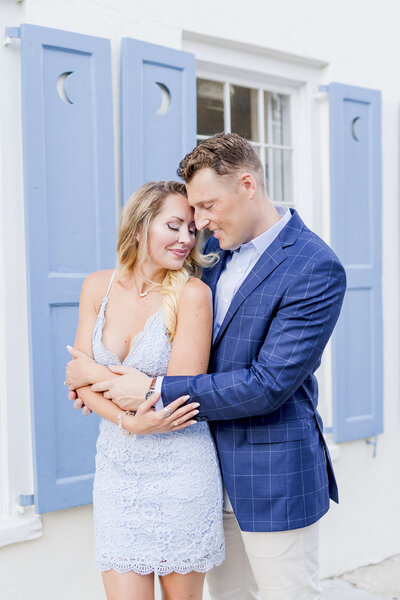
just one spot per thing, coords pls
(359, 43)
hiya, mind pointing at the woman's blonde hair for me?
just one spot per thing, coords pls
(132, 246)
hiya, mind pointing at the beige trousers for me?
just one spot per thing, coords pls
(278, 565)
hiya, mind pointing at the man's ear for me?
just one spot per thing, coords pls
(248, 184)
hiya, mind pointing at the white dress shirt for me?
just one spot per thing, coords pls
(239, 264)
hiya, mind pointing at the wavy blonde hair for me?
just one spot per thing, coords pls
(132, 248)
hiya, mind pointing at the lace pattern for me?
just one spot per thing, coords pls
(157, 498)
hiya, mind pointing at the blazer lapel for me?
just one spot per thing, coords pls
(267, 263)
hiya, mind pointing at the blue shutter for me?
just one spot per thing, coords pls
(70, 230)
(356, 206)
(158, 95)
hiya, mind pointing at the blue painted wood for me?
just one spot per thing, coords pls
(356, 234)
(70, 231)
(158, 112)
(26, 499)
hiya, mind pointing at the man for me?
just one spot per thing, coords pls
(278, 290)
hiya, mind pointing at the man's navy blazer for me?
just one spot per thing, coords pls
(261, 394)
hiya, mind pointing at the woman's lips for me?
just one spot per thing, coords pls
(179, 253)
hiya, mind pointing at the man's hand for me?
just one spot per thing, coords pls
(78, 403)
(127, 391)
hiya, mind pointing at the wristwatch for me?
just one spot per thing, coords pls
(151, 389)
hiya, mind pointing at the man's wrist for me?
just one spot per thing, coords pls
(151, 388)
(159, 404)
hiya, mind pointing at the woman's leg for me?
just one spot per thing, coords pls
(182, 587)
(128, 586)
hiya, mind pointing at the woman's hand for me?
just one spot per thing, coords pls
(81, 370)
(172, 418)
(78, 403)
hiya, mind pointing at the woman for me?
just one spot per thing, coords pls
(157, 498)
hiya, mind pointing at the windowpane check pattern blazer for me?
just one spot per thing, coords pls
(260, 394)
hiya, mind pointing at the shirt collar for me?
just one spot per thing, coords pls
(261, 242)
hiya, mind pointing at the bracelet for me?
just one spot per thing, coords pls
(120, 417)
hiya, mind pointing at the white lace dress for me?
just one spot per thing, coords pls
(157, 498)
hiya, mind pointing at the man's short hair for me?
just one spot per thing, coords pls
(224, 153)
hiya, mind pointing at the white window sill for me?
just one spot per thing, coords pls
(20, 528)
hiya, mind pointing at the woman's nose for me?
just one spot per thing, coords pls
(184, 235)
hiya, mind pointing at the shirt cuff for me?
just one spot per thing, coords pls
(159, 404)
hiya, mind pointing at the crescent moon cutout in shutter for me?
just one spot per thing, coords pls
(353, 129)
(61, 87)
(165, 99)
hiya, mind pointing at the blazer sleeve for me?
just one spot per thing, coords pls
(292, 350)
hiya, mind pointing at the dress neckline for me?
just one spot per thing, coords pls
(135, 340)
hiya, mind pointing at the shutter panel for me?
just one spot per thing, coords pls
(158, 91)
(70, 231)
(356, 205)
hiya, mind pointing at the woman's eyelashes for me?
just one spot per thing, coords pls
(192, 231)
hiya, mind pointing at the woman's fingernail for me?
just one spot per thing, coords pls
(196, 404)
(186, 397)
(195, 412)
(68, 347)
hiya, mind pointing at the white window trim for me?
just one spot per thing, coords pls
(17, 523)
(300, 77)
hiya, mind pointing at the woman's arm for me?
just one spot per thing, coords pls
(93, 289)
(146, 420)
(83, 370)
(190, 348)
(192, 342)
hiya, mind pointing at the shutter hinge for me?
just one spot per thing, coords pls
(26, 499)
(12, 32)
(373, 443)
(321, 93)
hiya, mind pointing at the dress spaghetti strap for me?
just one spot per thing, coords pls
(110, 284)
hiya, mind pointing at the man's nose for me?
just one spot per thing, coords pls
(201, 222)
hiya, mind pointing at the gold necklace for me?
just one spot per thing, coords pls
(144, 294)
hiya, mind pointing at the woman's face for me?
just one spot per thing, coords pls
(172, 233)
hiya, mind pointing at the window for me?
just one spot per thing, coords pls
(261, 116)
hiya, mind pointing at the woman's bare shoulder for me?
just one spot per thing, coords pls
(95, 285)
(195, 291)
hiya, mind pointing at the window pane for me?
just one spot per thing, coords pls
(277, 119)
(210, 107)
(267, 174)
(244, 112)
(279, 176)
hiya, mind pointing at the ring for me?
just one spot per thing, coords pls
(168, 412)
(175, 424)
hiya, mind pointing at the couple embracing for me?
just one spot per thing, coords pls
(198, 378)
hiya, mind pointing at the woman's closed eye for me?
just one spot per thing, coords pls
(174, 227)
